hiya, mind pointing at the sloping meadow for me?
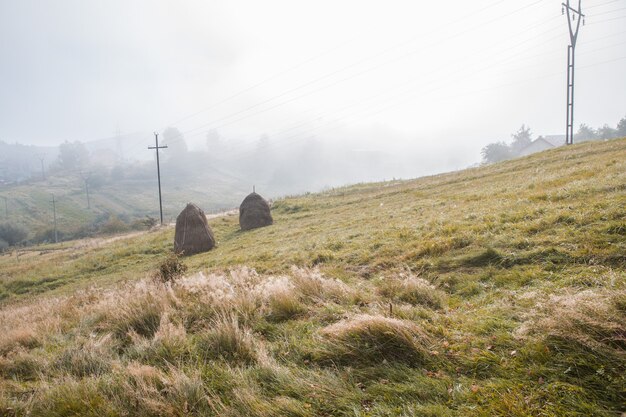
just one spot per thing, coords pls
(302, 343)
(496, 291)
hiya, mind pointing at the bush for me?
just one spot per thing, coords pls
(13, 233)
(47, 235)
(114, 225)
(146, 223)
(170, 269)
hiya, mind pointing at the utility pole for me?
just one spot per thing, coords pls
(86, 180)
(572, 14)
(157, 147)
(118, 141)
(6, 207)
(43, 172)
(54, 211)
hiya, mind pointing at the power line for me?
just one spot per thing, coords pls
(438, 71)
(353, 65)
(602, 4)
(380, 53)
(328, 75)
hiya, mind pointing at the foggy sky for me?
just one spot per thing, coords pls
(447, 77)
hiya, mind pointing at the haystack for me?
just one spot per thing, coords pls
(254, 212)
(193, 234)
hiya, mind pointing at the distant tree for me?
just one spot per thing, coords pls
(585, 133)
(72, 155)
(621, 128)
(607, 132)
(496, 152)
(215, 146)
(521, 139)
(96, 179)
(175, 140)
(12, 233)
(213, 140)
(263, 144)
(118, 173)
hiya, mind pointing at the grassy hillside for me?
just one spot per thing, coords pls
(493, 291)
(30, 204)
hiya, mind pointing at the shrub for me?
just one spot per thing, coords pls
(114, 225)
(13, 233)
(47, 235)
(170, 269)
(368, 340)
(146, 223)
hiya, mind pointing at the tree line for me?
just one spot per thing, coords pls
(501, 151)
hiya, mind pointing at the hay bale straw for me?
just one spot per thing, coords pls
(254, 212)
(193, 234)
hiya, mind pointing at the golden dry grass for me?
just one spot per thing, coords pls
(492, 291)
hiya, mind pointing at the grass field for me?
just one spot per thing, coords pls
(30, 204)
(495, 291)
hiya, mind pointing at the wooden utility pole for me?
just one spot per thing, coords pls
(157, 147)
(43, 172)
(54, 211)
(6, 207)
(86, 180)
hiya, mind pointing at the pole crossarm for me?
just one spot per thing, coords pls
(157, 147)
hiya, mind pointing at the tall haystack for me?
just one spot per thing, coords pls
(254, 212)
(193, 234)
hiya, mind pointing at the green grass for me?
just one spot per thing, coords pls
(494, 291)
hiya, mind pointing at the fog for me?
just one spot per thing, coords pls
(296, 95)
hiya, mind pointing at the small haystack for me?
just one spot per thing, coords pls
(193, 234)
(254, 212)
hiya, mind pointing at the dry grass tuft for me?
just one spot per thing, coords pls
(227, 340)
(284, 304)
(141, 316)
(19, 339)
(589, 320)
(313, 285)
(88, 359)
(413, 290)
(367, 339)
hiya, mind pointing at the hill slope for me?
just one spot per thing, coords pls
(493, 291)
(30, 205)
